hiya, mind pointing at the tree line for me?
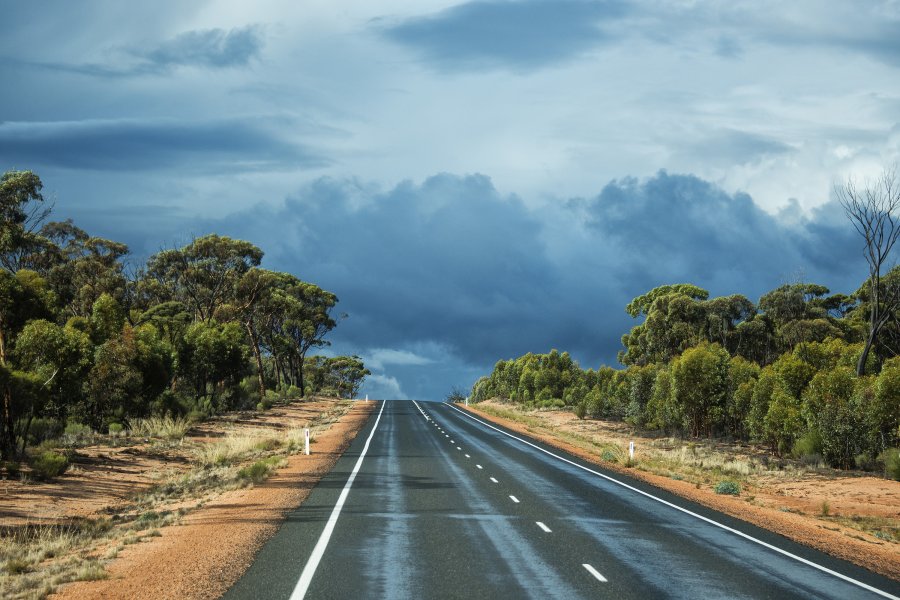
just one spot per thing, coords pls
(195, 330)
(781, 371)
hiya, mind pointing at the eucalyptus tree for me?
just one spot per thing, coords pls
(202, 275)
(84, 267)
(21, 214)
(873, 210)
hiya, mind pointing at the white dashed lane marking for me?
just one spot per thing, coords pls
(594, 572)
(544, 527)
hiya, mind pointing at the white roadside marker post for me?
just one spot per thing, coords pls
(307, 441)
(631, 450)
(367, 397)
(467, 400)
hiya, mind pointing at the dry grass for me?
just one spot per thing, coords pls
(166, 427)
(236, 446)
(35, 560)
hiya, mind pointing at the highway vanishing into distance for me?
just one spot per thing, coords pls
(431, 502)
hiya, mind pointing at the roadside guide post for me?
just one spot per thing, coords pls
(307, 440)
(467, 400)
(631, 450)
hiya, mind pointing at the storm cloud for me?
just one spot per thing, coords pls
(516, 35)
(441, 279)
(141, 144)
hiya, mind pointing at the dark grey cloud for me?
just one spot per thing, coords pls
(142, 144)
(215, 48)
(519, 35)
(728, 147)
(454, 265)
(203, 48)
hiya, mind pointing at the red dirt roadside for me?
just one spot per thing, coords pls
(202, 556)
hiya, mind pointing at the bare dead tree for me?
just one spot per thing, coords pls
(873, 210)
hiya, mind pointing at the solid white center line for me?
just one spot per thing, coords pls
(479, 466)
(594, 572)
(544, 527)
(514, 499)
(494, 480)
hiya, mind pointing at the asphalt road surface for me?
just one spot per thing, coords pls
(430, 502)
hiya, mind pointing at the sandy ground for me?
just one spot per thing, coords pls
(212, 547)
(774, 502)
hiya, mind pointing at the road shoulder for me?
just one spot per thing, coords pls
(882, 559)
(213, 546)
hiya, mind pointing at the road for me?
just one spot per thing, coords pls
(430, 502)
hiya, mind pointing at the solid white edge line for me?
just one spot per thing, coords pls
(810, 563)
(544, 527)
(594, 572)
(313, 563)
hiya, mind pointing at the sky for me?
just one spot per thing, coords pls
(474, 180)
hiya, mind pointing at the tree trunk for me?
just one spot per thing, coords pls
(7, 441)
(254, 342)
(861, 364)
(300, 373)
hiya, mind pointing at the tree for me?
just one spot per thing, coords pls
(21, 214)
(873, 211)
(699, 386)
(202, 275)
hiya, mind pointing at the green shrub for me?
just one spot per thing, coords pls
(808, 444)
(580, 410)
(730, 488)
(116, 429)
(43, 429)
(76, 433)
(12, 468)
(260, 470)
(48, 465)
(264, 405)
(891, 460)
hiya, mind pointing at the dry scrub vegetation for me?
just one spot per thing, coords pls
(866, 505)
(188, 465)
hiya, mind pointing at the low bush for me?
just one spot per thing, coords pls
(161, 427)
(116, 429)
(891, 460)
(729, 488)
(43, 429)
(264, 405)
(260, 470)
(12, 468)
(580, 410)
(48, 465)
(76, 434)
